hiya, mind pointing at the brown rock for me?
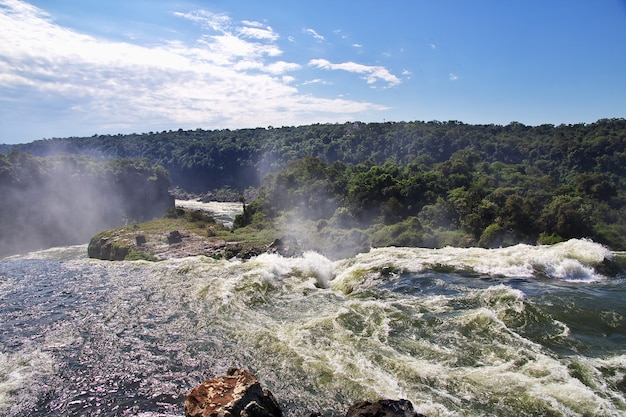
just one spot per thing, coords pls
(238, 394)
(383, 408)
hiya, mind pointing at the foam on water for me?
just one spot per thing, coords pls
(320, 334)
(18, 371)
(574, 260)
(223, 212)
(56, 253)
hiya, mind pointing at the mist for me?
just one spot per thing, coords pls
(65, 200)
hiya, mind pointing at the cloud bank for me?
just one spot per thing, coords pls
(231, 76)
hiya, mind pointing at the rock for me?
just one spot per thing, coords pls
(383, 408)
(174, 237)
(103, 248)
(238, 394)
(140, 240)
(286, 246)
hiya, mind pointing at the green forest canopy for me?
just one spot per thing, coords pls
(447, 182)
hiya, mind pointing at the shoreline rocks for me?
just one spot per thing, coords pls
(240, 394)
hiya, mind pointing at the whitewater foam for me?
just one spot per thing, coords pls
(223, 212)
(319, 333)
(17, 372)
(574, 260)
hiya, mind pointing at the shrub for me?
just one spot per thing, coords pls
(174, 213)
(136, 255)
(549, 239)
(199, 216)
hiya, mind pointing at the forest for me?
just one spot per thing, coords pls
(404, 183)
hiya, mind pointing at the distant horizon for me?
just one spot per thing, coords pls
(78, 68)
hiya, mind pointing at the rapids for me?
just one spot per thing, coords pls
(223, 212)
(519, 331)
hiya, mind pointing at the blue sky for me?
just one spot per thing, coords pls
(84, 67)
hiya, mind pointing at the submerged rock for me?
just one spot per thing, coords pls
(239, 393)
(383, 408)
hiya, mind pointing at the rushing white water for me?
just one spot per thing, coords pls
(222, 212)
(518, 331)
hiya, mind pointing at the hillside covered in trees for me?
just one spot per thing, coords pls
(411, 183)
(65, 199)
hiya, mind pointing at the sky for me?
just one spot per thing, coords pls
(85, 67)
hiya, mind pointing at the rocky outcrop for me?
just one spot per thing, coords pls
(105, 249)
(239, 393)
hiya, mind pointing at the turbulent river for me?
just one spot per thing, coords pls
(518, 331)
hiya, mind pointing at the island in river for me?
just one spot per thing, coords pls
(184, 232)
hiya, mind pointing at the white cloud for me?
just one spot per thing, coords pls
(316, 81)
(281, 67)
(252, 23)
(313, 33)
(259, 33)
(372, 74)
(215, 21)
(453, 77)
(225, 79)
(357, 45)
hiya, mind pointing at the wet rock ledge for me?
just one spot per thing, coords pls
(240, 394)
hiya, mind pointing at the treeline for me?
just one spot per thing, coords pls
(199, 160)
(66, 199)
(463, 201)
(424, 183)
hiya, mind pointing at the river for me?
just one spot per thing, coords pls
(518, 331)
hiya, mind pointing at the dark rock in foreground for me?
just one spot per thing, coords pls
(239, 394)
(383, 408)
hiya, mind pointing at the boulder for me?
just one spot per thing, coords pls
(383, 408)
(287, 246)
(174, 237)
(105, 249)
(238, 394)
